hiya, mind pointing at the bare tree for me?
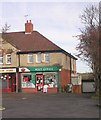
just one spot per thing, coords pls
(88, 47)
(5, 28)
(100, 48)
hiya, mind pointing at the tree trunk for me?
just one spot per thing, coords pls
(97, 84)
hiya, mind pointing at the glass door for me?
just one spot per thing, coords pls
(39, 82)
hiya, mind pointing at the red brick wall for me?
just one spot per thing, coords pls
(5, 90)
(34, 90)
(52, 90)
(76, 88)
(28, 90)
(64, 77)
(28, 27)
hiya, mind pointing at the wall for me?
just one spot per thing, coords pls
(14, 57)
(73, 65)
(64, 77)
(55, 58)
(76, 89)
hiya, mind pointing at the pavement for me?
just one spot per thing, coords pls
(47, 105)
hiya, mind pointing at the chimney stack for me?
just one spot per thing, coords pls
(28, 27)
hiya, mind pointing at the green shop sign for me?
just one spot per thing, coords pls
(44, 68)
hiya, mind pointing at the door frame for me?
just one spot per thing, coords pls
(40, 83)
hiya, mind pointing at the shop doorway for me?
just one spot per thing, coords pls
(8, 82)
(13, 83)
(39, 82)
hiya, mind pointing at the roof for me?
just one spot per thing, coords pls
(87, 76)
(31, 42)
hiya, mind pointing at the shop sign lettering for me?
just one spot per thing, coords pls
(7, 70)
(38, 69)
(48, 69)
(44, 68)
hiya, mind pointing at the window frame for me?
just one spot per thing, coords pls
(8, 58)
(30, 55)
(45, 59)
(1, 59)
(37, 59)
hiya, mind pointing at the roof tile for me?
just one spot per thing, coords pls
(30, 42)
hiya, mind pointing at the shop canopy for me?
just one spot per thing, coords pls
(42, 68)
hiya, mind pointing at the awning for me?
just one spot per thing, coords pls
(41, 68)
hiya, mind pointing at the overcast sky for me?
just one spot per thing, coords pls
(57, 20)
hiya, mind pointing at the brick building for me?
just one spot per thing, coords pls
(29, 60)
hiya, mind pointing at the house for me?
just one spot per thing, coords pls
(29, 60)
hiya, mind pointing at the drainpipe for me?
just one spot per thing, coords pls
(18, 60)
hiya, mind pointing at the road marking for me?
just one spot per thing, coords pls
(2, 108)
(24, 98)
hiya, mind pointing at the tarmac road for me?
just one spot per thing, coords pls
(59, 105)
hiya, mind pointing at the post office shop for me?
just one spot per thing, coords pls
(33, 79)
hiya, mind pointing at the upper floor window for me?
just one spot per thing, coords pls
(38, 58)
(30, 58)
(8, 59)
(46, 58)
(1, 59)
(73, 65)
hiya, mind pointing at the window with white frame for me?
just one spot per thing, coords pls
(1, 59)
(8, 59)
(72, 65)
(46, 57)
(30, 58)
(38, 58)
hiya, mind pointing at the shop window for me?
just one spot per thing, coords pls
(38, 58)
(51, 79)
(46, 58)
(27, 81)
(1, 59)
(8, 59)
(72, 66)
(3, 80)
(30, 58)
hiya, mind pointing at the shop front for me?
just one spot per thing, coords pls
(8, 79)
(33, 79)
